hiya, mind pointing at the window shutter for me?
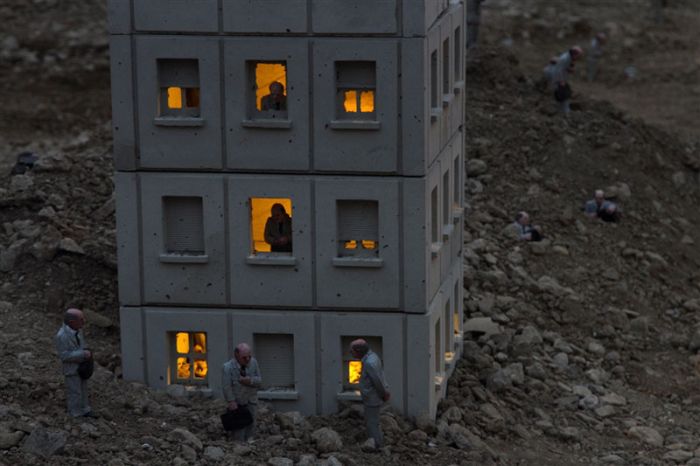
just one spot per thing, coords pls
(275, 355)
(184, 225)
(358, 220)
(178, 73)
(355, 74)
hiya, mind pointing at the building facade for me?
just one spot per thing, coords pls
(289, 173)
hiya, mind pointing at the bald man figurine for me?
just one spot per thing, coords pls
(71, 347)
(373, 388)
(241, 381)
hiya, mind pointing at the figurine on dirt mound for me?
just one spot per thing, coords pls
(601, 208)
(565, 67)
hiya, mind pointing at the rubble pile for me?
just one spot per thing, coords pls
(580, 349)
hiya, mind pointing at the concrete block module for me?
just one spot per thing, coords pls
(289, 173)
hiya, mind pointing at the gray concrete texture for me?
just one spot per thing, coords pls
(375, 194)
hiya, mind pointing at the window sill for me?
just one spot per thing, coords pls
(183, 259)
(435, 249)
(446, 100)
(270, 259)
(364, 125)
(278, 395)
(366, 262)
(349, 395)
(177, 121)
(267, 123)
(447, 231)
(435, 113)
(459, 87)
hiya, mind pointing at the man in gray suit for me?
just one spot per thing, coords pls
(240, 381)
(373, 388)
(70, 344)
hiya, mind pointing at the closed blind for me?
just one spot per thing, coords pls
(184, 225)
(355, 74)
(358, 220)
(178, 73)
(275, 355)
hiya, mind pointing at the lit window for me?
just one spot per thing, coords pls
(270, 88)
(356, 87)
(183, 225)
(275, 353)
(189, 361)
(271, 225)
(352, 367)
(358, 228)
(178, 81)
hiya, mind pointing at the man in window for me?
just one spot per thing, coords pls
(373, 388)
(275, 100)
(278, 229)
(72, 351)
(241, 381)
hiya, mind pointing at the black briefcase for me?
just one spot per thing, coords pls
(237, 419)
(86, 368)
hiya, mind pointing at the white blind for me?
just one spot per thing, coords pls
(355, 74)
(275, 355)
(358, 220)
(178, 73)
(184, 225)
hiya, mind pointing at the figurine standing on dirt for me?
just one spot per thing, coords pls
(73, 352)
(594, 54)
(373, 388)
(241, 381)
(473, 21)
(564, 67)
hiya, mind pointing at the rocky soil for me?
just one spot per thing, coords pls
(580, 349)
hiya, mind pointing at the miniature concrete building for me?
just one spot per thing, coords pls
(289, 174)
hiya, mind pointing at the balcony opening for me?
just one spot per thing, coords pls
(269, 89)
(189, 358)
(358, 228)
(355, 87)
(183, 223)
(275, 354)
(271, 225)
(179, 95)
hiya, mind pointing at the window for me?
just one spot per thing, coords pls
(457, 323)
(275, 354)
(434, 80)
(446, 198)
(271, 225)
(352, 368)
(457, 187)
(448, 330)
(355, 87)
(184, 225)
(458, 54)
(446, 89)
(178, 81)
(358, 228)
(434, 215)
(269, 86)
(437, 356)
(189, 360)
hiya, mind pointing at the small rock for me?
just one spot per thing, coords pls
(476, 167)
(186, 437)
(280, 461)
(307, 460)
(482, 325)
(604, 411)
(647, 435)
(678, 456)
(10, 439)
(69, 245)
(213, 453)
(96, 319)
(369, 445)
(45, 442)
(327, 440)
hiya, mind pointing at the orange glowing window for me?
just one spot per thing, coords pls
(354, 371)
(271, 224)
(190, 363)
(270, 86)
(178, 81)
(356, 86)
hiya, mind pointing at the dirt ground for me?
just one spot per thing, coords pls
(594, 358)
